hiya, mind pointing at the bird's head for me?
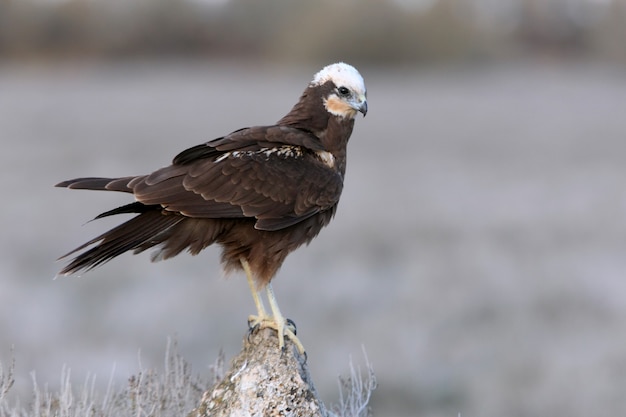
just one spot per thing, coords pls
(348, 95)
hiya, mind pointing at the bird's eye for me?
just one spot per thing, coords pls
(343, 91)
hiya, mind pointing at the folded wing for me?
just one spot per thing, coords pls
(244, 176)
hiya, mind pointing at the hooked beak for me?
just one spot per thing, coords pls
(362, 107)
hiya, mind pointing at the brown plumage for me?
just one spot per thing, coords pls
(259, 192)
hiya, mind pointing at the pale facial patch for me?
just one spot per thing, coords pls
(339, 107)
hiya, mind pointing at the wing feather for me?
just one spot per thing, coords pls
(246, 175)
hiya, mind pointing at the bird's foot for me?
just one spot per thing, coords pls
(284, 327)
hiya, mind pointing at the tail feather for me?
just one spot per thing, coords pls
(98, 183)
(152, 227)
(141, 231)
(135, 207)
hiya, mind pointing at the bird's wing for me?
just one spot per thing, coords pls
(249, 174)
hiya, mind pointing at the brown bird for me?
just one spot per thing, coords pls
(258, 192)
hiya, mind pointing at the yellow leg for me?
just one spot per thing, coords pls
(260, 308)
(280, 323)
(276, 321)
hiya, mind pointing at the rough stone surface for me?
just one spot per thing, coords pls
(263, 381)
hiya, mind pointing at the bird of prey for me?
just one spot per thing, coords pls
(259, 192)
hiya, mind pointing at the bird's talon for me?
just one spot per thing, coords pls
(253, 325)
(291, 325)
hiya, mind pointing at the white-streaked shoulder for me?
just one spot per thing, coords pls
(341, 74)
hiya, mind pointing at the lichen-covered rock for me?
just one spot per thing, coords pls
(263, 381)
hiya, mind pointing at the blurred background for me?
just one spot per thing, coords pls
(479, 250)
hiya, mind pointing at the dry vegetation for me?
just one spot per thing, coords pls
(175, 392)
(365, 31)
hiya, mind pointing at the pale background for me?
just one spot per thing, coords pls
(479, 250)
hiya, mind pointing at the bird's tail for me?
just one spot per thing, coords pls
(137, 234)
(153, 226)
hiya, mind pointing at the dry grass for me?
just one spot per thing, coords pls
(173, 392)
(148, 393)
(355, 391)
